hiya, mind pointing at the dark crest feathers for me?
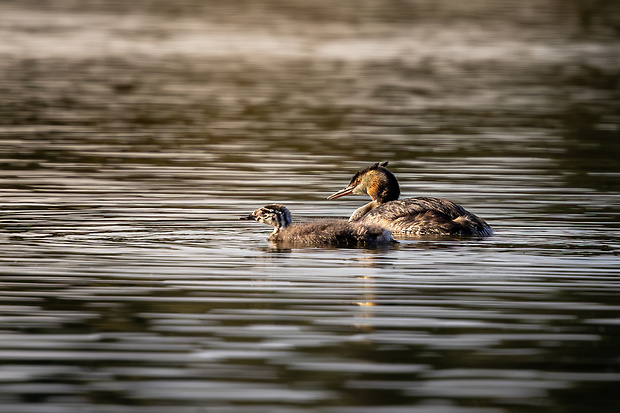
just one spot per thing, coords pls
(367, 169)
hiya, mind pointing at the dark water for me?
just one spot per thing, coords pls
(134, 134)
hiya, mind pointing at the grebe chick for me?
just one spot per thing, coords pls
(321, 232)
(412, 216)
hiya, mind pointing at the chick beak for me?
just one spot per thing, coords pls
(250, 217)
(343, 192)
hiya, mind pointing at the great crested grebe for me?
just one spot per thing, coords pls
(321, 232)
(412, 216)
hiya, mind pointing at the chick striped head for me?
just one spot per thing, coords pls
(276, 215)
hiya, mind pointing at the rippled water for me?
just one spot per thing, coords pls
(133, 135)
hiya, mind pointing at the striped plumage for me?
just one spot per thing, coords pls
(321, 232)
(413, 216)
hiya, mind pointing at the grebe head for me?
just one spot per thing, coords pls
(376, 181)
(276, 215)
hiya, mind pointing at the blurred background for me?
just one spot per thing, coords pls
(134, 134)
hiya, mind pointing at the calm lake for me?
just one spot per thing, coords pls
(133, 135)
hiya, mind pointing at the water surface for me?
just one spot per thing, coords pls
(133, 137)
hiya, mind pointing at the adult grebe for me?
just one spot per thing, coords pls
(413, 216)
(321, 232)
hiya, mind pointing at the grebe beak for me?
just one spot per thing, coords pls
(250, 217)
(343, 192)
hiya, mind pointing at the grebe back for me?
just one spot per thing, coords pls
(412, 216)
(321, 232)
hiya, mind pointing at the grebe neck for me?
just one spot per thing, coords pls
(363, 210)
(382, 186)
(274, 234)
